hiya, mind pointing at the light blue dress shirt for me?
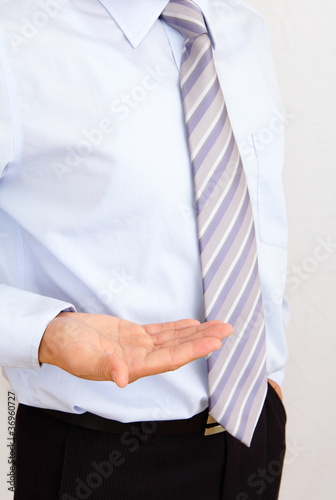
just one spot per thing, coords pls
(96, 189)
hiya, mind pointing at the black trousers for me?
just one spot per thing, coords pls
(59, 461)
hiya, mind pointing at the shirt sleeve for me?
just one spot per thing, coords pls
(24, 317)
(6, 125)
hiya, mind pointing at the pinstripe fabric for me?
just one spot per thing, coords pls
(237, 372)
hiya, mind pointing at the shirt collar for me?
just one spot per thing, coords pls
(136, 17)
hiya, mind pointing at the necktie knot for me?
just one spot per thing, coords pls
(186, 17)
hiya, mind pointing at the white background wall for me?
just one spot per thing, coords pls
(304, 45)
(303, 35)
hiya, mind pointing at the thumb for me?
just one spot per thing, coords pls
(112, 368)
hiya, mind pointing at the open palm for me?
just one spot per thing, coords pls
(100, 347)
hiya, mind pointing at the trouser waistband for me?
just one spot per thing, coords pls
(202, 422)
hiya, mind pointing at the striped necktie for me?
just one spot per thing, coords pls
(237, 372)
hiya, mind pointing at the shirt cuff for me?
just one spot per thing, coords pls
(23, 319)
(277, 377)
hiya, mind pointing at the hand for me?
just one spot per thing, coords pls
(100, 347)
(276, 387)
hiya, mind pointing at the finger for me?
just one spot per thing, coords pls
(170, 359)
(212, 328)
(190, 351)
(155, 328)
(193, 338)
(276, 387)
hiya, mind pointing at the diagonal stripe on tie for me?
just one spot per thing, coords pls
(237, 372)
